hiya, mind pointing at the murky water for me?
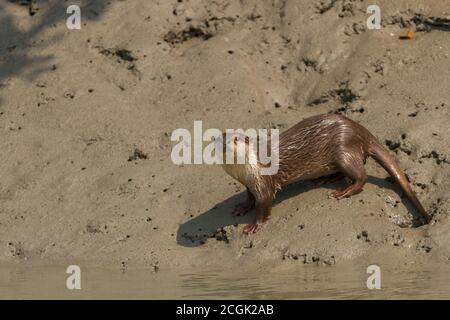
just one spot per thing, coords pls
(18, 282)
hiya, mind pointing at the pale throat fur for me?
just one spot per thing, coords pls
(249, 174)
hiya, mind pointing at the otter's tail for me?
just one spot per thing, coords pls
(382, 156)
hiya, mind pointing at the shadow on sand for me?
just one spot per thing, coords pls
(196, 231)
(15, 59)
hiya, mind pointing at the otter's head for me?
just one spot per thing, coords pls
(239, 156)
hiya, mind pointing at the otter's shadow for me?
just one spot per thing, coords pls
(197, 230)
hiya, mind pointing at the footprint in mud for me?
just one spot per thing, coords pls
(125, 56)
(191, 32)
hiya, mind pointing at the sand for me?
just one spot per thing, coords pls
(75, 105)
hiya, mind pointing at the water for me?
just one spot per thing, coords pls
(310, 282)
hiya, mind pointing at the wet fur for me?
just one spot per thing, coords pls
(319, 146)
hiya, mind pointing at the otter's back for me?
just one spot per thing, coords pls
(308, 148)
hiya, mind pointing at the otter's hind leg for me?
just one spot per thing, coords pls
(352, 166)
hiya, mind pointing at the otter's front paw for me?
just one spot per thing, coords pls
(252, 228)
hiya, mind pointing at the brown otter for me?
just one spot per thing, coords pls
(321, 145)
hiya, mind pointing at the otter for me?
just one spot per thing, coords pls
(320, 146)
